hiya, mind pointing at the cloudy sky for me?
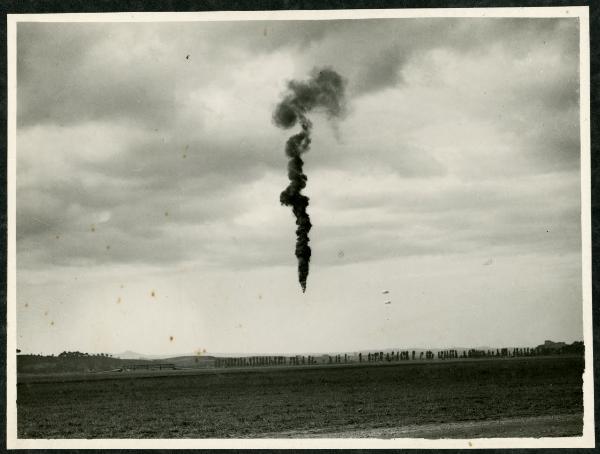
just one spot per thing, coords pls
(149, 173)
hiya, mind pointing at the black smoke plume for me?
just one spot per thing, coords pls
(324, 90)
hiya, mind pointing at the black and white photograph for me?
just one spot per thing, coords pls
(344, 228)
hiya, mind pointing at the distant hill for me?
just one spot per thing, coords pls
(128, 355)
(31, 364)
(82, 362)
(192, 361)
(134, 355)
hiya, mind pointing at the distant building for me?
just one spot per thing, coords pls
(548, 344)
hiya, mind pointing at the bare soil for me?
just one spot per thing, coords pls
(464, 399)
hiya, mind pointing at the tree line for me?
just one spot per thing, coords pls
(398, 355)
(67, 355)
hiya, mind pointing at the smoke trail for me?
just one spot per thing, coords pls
(324, 90)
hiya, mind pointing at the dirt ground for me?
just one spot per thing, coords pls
(534, 426)
(520, 397)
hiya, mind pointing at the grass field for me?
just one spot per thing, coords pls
(468, 399)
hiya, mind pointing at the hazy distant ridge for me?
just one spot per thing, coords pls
(134, 355)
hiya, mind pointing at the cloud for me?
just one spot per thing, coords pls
(137, 73)
(374, 53)
(147, 160)
(397, 218)
(450, 121)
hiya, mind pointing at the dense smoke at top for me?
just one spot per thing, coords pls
(324, 90)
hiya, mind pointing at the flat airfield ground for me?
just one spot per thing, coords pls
(517, 397)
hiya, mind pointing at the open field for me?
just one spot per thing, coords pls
(538, 426)
(517, 397)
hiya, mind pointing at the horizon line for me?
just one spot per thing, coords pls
(305, 352)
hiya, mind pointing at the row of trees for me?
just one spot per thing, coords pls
(251, 361)
(449, 354)
(405, 355)
(83, 355)
(338, 359)
(498, 353)
(576, 347)
(393, 356)
(68, 355)
(300, 360)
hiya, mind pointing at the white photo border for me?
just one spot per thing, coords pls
(587, 440)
